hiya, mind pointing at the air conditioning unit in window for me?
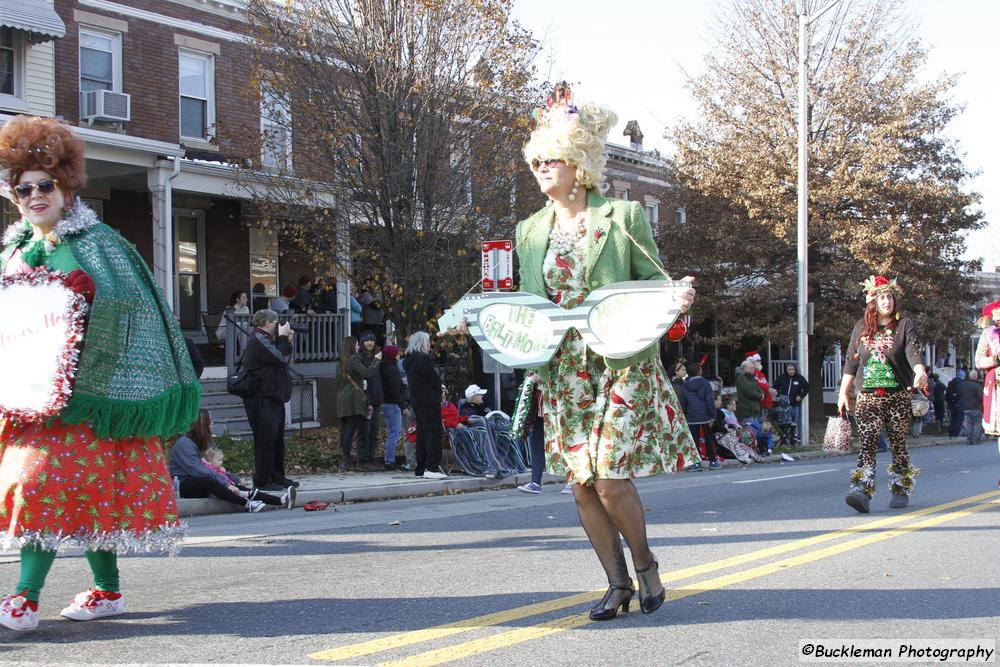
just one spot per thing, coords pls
(105, 105)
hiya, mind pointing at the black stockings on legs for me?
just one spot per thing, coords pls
(621, 501)
(603, 535)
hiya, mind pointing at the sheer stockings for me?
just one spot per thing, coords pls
(609, 510)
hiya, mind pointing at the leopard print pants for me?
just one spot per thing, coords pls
(894, 412)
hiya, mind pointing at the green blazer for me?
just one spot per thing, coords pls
(611, 255)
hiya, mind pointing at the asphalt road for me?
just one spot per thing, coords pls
(755, 560)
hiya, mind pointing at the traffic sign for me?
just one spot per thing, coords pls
(498, 265)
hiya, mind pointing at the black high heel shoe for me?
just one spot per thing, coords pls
(607, 608)
(649, 577)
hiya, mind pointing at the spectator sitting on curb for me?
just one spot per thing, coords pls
(199, 480)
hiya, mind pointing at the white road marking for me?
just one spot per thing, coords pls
(768, 479)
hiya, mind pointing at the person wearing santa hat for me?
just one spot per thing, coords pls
(884, 346)
(758, 375)
(987, 360)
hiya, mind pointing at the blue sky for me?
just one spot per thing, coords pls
(634, 59)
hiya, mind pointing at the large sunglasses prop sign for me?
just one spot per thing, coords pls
(522, 330)
(41, 324)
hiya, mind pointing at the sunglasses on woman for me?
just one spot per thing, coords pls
(522, 330)
(537, 164)
(46, 187)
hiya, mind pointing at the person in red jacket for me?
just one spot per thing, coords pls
(449, 412)
(767, 402)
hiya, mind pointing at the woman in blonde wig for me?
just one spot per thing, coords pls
(606, 420)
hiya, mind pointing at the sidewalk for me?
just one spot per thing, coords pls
(362, 486)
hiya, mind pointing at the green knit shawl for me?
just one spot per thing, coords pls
(134, 374)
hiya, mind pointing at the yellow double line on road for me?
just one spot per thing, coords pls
(466, 649)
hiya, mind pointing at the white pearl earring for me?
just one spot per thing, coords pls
(572, 193)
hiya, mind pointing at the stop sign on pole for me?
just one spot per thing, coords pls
(498, 265)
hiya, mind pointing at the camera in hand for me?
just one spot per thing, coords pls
(298, 327)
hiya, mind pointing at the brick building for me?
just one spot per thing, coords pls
(158, 91)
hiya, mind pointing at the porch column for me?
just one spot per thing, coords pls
(158, 180)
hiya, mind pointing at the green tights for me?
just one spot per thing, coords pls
(35, 564)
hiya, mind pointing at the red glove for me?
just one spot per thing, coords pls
(679, 329)
(81, 283)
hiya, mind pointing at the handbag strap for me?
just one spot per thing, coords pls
(356, 385)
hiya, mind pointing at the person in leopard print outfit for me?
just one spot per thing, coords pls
(884, 346)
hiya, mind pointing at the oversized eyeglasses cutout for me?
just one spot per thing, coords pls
(522, 330)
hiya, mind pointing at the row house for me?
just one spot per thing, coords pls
(158, 91)
(147, 86)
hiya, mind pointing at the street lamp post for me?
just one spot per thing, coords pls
(802, 235)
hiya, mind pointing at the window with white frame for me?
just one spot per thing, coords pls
(621, 193)
(197, 94)
(100, 59)
(11, 62)
(275, 131)
(680, 216)
(653, 213)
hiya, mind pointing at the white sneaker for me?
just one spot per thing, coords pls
(18, 613)
(288, 498)
(430, 474)
(567, 489)
(255, 505)
(89, 605)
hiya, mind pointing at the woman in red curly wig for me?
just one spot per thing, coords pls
(93, 476)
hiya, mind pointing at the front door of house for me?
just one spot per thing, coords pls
(189, 266)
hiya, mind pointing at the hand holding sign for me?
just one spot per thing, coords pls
(522, 330)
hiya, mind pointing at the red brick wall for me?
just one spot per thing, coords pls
(149, 75)
(227, 253)
(131, 213)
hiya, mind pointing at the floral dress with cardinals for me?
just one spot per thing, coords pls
(602, 423)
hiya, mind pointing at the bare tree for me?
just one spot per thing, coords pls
(406, 119)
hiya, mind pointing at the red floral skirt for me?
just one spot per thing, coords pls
(61, 484)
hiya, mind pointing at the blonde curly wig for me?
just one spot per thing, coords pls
(578, 139)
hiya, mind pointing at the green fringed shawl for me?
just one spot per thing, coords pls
(134, 375)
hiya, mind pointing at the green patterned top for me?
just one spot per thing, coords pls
(134, 375)
(879, 374)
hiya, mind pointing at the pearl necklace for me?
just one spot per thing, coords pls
(562, 242)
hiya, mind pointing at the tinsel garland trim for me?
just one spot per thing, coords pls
(79, 218)
(863, 479)
(75, 314)
(901, 481)
(165, 539)
(522, 404)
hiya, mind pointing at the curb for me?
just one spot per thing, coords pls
(188, 507)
